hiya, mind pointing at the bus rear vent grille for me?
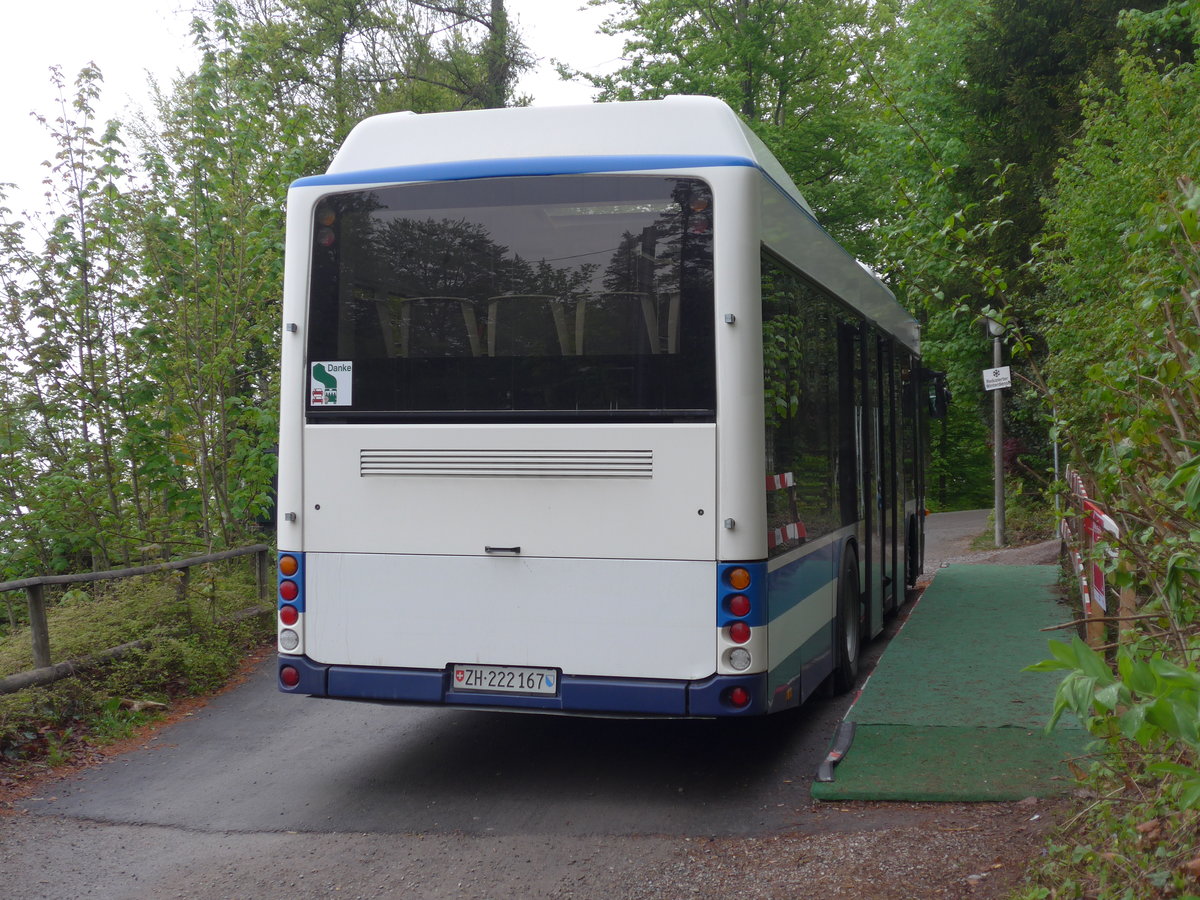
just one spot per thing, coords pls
(509, 463)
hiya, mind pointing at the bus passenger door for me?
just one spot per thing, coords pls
(879, 484)
(872, 488)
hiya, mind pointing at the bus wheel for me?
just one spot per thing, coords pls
(848, 625)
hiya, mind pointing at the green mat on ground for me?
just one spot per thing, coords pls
(948, 714)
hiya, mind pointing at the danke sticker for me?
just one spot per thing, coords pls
(331, 383)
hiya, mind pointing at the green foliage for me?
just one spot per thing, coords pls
(112, 723)
(960, 466)
(1025, 60)
(959, 474)
(1141, 402)
(35, 720)
(1115, 273)
(1150, 701)
(1146, 715)
(1123, 330)
(339, 61)
(1028, 514)
(66, 315)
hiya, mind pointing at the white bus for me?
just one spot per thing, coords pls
(583, 412)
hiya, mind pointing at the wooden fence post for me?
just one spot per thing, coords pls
(261, 574)
(1097, 631)
(38, 628)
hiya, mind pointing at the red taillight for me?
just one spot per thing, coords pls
(739, 605)
(288, 565)
(288, 615)
(290, 676)
(288, 590)
(739, 697)
(739, 632)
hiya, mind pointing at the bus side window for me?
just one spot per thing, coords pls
(801, 372)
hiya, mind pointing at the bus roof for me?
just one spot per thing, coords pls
(687, 130)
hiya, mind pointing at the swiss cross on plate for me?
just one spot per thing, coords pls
(997, 377)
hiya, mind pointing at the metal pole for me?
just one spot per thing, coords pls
(998, 450)
(1057, 495)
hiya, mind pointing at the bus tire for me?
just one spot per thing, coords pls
(847, 625)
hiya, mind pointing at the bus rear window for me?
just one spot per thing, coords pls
(535, 297)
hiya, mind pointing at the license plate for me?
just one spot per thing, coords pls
(504, 679)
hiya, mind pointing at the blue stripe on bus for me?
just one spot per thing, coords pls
(461, 170)
(583, 694)
(791, 585)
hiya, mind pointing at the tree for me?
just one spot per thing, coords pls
(67, 317)
(1025, 62)
(1111, 285)
(789, 68)
(344, 60)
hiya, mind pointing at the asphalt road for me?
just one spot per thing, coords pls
(254, 761)
(255, 790)
(948, 537)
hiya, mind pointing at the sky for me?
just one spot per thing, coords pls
(151, 36)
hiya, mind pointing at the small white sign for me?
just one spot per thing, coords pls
(330, 383)
(996, 378)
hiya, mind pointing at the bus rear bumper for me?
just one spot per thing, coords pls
(585, 695)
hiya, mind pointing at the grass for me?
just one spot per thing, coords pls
(193, 645)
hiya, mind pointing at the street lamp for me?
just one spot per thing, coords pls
(996, 330)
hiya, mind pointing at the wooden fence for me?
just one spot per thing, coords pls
(35, 593)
